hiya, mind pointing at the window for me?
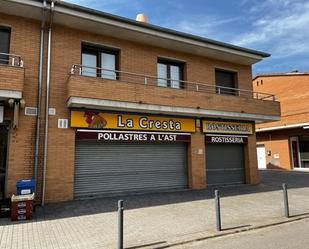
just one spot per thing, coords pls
(99, 62)
(90, 62)
(169, 73)
(225, 82)
(5, 34)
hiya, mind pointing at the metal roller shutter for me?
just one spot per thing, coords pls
(225, 164)
(110, 168)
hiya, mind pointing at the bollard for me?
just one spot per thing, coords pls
(120, 224)
(285, 201)
(218, 211)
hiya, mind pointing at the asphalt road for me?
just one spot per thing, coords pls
(292, 235)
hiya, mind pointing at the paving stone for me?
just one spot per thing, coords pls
(153, 219)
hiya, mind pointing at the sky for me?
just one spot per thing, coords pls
(278, 27)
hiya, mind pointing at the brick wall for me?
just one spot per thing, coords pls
(196, 156)
(252, 176)
(278, 143)
(11, 78)
(91, 87)
(292, 91)
(24, 42)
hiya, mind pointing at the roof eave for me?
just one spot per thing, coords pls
(186, 42)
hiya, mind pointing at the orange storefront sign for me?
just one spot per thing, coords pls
(119, 121)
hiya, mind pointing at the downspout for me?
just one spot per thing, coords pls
(52, 5)
(38, 117)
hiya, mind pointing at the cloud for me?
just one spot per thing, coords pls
(279, 27)
(204, 25)
(283, 29)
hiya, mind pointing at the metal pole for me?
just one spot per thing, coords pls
(120, 224)
(218, 211)
(38, 118)
(285, 201)
(48, 72)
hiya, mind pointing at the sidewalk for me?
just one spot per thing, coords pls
(159, 220)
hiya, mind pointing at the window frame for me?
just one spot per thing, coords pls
(6, 58)
(169, 63)
(235, 81)
(98, 50)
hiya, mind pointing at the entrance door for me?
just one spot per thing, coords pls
(261, 156)
(3, 157)
(295, 152)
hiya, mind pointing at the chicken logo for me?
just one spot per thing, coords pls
(94, 120)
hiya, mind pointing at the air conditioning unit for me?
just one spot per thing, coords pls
(31, 111)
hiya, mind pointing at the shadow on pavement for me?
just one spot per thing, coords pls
(146, 245)
(298, 215)
(238, 227)
(271, 180)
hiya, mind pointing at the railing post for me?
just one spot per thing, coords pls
(13, 61)
(73, 69)
(219, 90)
(120, 224)
(197, 87)
(285, 200)
(146, 81)
(218, 210)
(257, 95)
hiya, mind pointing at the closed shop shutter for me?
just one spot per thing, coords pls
(111, 168)
(225, 164)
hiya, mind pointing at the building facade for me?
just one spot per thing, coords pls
(284, 144)
(96, 104)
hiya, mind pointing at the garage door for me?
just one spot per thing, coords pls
(225, 164)
(111, 168)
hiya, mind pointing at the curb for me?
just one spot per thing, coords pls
(222, 234)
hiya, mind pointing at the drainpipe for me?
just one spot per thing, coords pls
(52, 5)
(38, 118)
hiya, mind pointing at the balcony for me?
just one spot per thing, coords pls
(12, 76)
(119, 90)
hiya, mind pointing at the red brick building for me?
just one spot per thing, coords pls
(284, 144)
(96, 104)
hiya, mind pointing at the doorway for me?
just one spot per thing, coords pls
(295, 155)
(261, 156)
(3, 159)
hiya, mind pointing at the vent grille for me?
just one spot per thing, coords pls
(52, 111)
(31, 111)
(63, 123)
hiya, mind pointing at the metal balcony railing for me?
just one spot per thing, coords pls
(11, 60)
(135, 78)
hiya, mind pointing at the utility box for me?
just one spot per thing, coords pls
(25, 186)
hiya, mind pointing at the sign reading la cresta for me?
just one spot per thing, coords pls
(101, 120)
(227, 127)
